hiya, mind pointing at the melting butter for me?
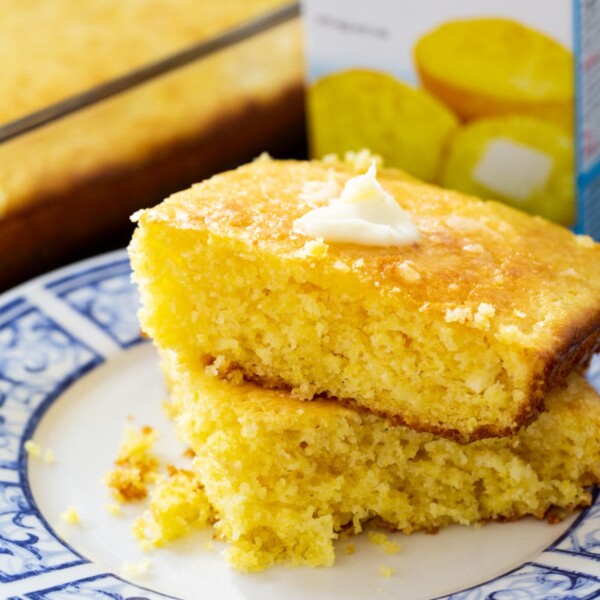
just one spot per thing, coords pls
(364, 214)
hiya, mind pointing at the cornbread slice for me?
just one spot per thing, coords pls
(285, 476)
(461, 334)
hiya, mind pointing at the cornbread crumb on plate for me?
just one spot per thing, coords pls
(136, 465)
(178, 504)
(33, 449)
(350, 549)
(386, 572)
(136, 570)
(285, 478)
(114, 510)
(71, 515)
(411, 342)
(382, 540)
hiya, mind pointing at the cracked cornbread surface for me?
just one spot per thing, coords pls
(285, 477)
(461, 334)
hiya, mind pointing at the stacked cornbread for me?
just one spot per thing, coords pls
(321, 384)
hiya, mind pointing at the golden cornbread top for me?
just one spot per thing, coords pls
(52, 50)
(480, 263)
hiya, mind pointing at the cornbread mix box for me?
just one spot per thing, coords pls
(500, 100)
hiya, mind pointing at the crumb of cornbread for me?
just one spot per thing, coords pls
(167, 409)
(360, 160)
(71, 515)
(33, 449)
(136, 465)
(458, 314)
(350, 548)
(386, 572)
(286, 482)
(313, 249)
(189, 453)
(113, 509)
(382, 540)
(178, 503)
(585, 241)
(136, 570)
(407, 271)
(484, 315)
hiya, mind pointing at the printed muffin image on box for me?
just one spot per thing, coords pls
(417, 144)
(524, 161)
(471, 97)
(490, 67)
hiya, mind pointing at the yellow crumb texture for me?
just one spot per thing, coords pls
(71, 515)
(33, 449)
(286, 478)
(114, 510)
(135, 467)
(178, 504)
(136, 570)
(386, 572)
(382, 540)
(350, 549)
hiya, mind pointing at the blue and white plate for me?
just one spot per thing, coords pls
(74, 372)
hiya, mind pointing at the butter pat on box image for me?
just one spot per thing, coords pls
(496, 101)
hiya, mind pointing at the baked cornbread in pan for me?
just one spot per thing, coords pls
(68, 187)
(284, 477)
(53, 50)
(461, 334)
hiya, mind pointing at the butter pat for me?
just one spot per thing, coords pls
(364, 214)
(513, 170)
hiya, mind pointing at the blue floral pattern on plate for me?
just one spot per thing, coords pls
(40, 358)
(28, 546)
(534, 582)
(100, 587)
(106, 297)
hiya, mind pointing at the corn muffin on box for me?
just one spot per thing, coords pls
(492, 99)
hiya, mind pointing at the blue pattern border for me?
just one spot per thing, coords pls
(533, 581)
(104, 586)
(39, 359)
(105, 296)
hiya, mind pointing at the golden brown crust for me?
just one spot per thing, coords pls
(509, 258)
(92, 215)
(492, 282)
(529, 412)
(580, 341)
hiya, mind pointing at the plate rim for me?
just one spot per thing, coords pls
(562, 558)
